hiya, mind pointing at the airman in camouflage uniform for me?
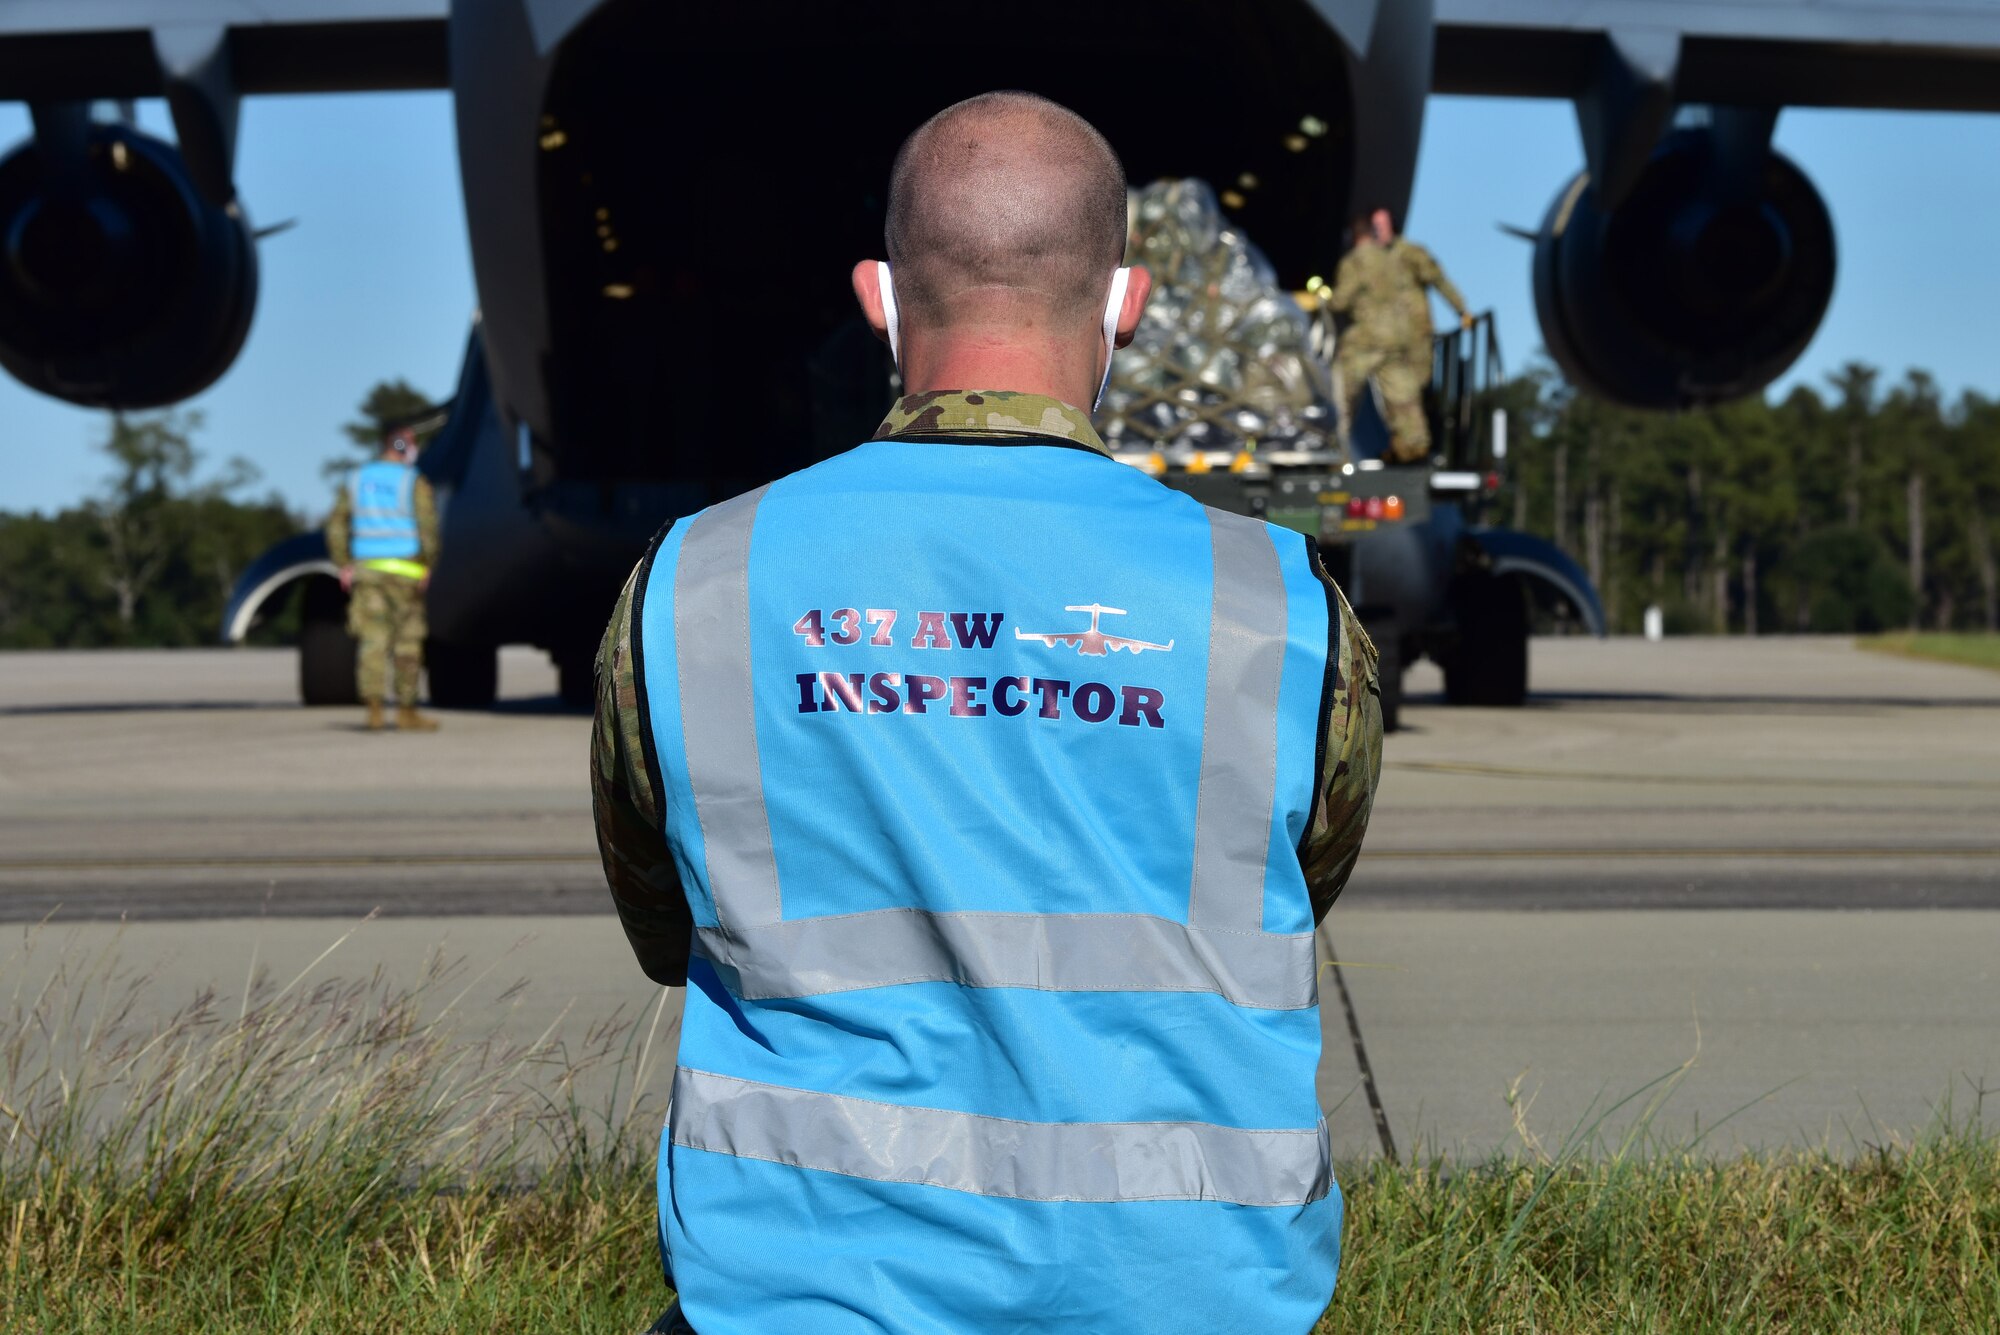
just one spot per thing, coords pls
(1383, 289)
(631, 822)
(980, 303)
(385, 608)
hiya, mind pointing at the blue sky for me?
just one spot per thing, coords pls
(376, 282)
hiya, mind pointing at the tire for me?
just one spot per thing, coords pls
(1489, 667)
(576, 680)
(463, 676)
(1388, 670)
(326, 662)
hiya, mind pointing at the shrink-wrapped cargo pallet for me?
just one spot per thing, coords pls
(1224, 358)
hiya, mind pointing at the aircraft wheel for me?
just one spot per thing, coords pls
(326, 650)
(576, 680)
(326, 663)
(463, 676)
(1490, 665)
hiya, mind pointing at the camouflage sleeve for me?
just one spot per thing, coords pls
(1432, 274)
(1346, 286)
(337, 530)
(1353, 766)
(424, 497)
(645, 885)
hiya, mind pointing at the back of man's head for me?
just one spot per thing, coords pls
(1005, 202)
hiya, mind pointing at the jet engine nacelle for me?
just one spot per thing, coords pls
(1704, 285)
(120, 286)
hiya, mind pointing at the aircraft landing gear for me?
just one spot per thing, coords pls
(1388, 638)
(576, 679)
(326, 650)
(463, 676)
(1489, 665)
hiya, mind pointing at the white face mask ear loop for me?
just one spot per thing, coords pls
(1120, 277)
(888, 290)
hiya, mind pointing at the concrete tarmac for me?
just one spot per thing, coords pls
(1776, 858)
(162, 785)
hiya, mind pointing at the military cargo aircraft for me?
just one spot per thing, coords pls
(663, 202)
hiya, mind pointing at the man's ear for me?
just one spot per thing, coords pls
(1138, 287)
(868, 291)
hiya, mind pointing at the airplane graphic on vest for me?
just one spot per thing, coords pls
(1094, 641)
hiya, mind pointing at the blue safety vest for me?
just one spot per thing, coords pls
(985, 768)
(385, 513)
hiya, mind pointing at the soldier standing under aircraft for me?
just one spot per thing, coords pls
(1383, 288)
(383, 535)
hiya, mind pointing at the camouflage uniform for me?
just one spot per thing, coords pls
(1384, 293)
(385, 611)
(631, 837)
(969, 414)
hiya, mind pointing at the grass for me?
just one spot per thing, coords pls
(323, 1156)
(1900, 1239)
(352, 1156)
(1971, 650)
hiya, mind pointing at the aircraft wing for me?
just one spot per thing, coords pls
(1927, 55)
(1918, 54)
(68, 49)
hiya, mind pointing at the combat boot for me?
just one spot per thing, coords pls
(375, 720)
(409, 720)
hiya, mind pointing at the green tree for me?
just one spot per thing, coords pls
(388, 403)
(1979, 451)
(50, 596)
(1848, 582)
(1913, 455)
(1753, 511)
(1760, 516)
(154, 457)
(150, 560)
(1855, 426)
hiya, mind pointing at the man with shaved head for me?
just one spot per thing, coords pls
(984, 793)
(1005, 206)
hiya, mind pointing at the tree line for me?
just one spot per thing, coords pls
(1859, 507)
(150, 558)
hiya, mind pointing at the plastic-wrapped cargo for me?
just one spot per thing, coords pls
(1223, 359)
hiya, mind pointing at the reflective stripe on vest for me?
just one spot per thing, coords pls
(1081, 952)
(997, 1156)
(1221, 949)
(383, 496)
(712, 641)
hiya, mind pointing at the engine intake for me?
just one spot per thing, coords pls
(1703, 286)
(120, 286)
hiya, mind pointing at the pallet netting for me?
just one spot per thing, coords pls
(1224, 358)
